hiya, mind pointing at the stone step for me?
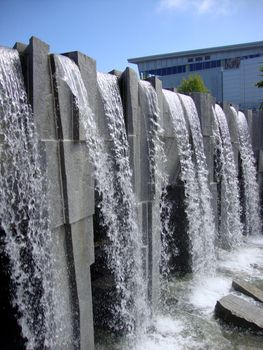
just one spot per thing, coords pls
(249, 289)
(239, 312)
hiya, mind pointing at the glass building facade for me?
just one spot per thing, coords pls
(229, 72)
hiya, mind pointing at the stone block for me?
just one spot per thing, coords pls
(65, 104)
(235, 147)
(257, 130)
(248, 289)
(83, 250)
(154, 244)
(20, 47)
(209, 154)
(157, 84)
(50, 162)
(40, 94)
(129, 91)
(80, 183)
(204, 103)
(231, 120)
(87, 67)
(173, 159)
(260, 162)
(214, 194)
(240, 312)
(167, 121)
(63, 303)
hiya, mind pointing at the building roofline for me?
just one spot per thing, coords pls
(197, 52)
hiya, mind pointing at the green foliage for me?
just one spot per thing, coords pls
(259, 84)
(194, 83)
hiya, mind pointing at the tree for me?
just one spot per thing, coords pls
(259, 84)
(194, 83)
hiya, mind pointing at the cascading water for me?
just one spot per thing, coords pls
(249, 177)
(113, 183)
(125, 251)
(159, 176)
(208, 226)
(230, 227)
(24, 210)
(194, 176)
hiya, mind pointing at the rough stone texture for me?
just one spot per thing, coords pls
(204, 103)
(232, 129)
(71, 189)
(78, 195)
(171, 151)
(248, 289)
(79, 181)
(82, 235)
(130, 100)
(231, 120)
(40, 94)
(53, 177)
(239, 312)
(87, 67)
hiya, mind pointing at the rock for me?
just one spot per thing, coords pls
(239, 312)
(248, 289)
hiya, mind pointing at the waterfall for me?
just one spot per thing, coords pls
(230, 227)
(194, 176)
(207, 234)
(158, 174)
(249, 177)
(113, 182)
(24, 209)
(125, 251)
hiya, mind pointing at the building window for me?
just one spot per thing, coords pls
(197, 59)
(232, 63)
(190, 60)
(207, 57)
(166, 71)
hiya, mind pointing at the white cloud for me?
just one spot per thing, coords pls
(201, 7)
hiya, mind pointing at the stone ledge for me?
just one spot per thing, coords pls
(248, 289)
(239, 312)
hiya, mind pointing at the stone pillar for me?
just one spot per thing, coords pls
(139, 159)
(232, 130)
(70, 191)
(78, 192)
(179, 250)
(204, 104)
(41, 99)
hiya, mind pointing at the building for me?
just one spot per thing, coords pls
(229, 72)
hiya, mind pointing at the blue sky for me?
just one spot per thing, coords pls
(110, 31)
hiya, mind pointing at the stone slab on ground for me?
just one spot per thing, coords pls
(239, 312)
(248, 289)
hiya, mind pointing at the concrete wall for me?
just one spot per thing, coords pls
(71, 183)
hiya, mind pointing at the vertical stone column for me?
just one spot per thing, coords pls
(78, 188)
(255, 122)
(41, 99)
(232, 130)
(204, 103)
(139, 156)
(71, 188)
